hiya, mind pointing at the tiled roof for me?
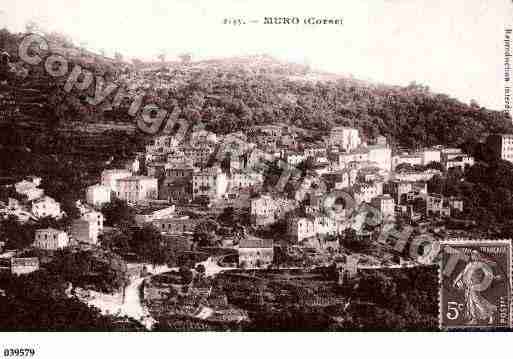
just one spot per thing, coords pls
(53, 230)
(256, 243)
(137, 178)
(44, 199)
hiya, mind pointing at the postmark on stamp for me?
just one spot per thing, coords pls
(475, 284)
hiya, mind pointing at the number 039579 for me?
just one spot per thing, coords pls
(19, 352)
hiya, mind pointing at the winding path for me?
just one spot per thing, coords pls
(131, 305)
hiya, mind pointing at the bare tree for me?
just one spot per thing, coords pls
(137, 63)
(118, 56)
(185, 57)
(162, 56)
(83, 47)
(32, 26)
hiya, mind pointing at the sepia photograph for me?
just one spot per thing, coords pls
(255, 166)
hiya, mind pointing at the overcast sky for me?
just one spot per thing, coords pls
(454, 47)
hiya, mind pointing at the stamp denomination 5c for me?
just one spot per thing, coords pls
(475, 284)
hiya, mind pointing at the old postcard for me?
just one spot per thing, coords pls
(264, 166)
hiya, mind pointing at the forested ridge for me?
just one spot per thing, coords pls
(236, 93)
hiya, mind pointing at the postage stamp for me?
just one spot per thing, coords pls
(475, 284)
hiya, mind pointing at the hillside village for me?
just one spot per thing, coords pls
(195, 203)
(173, 178)
(226, 226)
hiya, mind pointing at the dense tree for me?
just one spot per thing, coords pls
(186, 275)
(15, 234)
(227, 216)
(118, 242)
(350, 240)
(204, 233)
(486, 190)
(7, 192)
(118, 213)
(99, 269)
(149, 245)
(69, 206)
(419, 205)
(38, 302)
(200, 269)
